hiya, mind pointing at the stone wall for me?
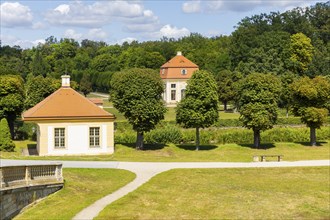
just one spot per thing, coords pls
(12, 201)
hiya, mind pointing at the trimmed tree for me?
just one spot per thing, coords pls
(310, 99)
(258, 96)
(137, 94)
(199, 108)
(6, 143)
(11, 98)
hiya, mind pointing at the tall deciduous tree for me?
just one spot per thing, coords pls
(310, 98)
(199, 108)
(258, 97)
(137, 94)
(301, 52)
(11, 98)
(6, 143)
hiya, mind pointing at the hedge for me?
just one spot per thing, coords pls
(176, 135)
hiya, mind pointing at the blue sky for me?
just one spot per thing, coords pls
(28, 22)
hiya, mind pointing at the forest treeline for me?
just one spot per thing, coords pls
(260, 43)
(291, 47)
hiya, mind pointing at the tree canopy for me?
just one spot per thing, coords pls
(257, 100)
(137, 94)
(199, 108)
(11, 98)
(310, 100)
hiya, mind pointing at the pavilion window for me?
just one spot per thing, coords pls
(94, 137)
(59, 137)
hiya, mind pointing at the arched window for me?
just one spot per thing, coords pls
(184, 71)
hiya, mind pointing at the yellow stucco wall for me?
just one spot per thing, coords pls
(43, 136)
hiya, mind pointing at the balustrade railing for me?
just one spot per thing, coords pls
(20, 176)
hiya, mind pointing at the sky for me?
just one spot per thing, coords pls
(29, 22)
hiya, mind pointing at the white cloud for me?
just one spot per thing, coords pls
(191, 7)
(241, 5)
(14, 14)
(39, 25)
(172, 32)
(13, 40)
(97, 34)
(70, 33)
(101, 13)
(63, 9)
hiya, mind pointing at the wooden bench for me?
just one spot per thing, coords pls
(263, 158)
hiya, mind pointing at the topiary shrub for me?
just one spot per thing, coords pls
(6, 143)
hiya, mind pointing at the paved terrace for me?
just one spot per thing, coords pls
(146, 170)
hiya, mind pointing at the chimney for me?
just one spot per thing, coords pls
(65, 80)
(179, 53)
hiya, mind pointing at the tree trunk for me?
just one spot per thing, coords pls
(256, 134)
(11, 119)
(225, 105)
(313, 136)
(139, 141)
(197, 138)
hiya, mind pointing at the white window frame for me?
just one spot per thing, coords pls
(59, 138)
(184, 71)
(94, 138)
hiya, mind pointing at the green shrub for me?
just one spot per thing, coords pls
(6, 143)
(165, 135)
(125, 137)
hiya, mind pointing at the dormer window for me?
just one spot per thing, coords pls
(183, 71)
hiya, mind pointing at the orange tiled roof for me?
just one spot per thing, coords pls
(172, 69)
(179, 61)
(65, 103)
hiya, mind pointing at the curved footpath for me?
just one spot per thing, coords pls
(146, 170)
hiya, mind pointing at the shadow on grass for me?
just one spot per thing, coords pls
(193, 147)
(308, 144)
(146, 147)
(262, 146)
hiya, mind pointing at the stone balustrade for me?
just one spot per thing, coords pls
(21, 176)
(24, 185)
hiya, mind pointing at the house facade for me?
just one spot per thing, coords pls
(175, 73)
(70, 124)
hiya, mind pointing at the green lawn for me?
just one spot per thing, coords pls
(258, 193)
(82, 188)
(185, 153)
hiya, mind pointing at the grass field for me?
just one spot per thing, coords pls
(263, 193)
(185, 153)
(82, 188)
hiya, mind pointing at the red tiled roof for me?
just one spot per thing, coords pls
(65, 103)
